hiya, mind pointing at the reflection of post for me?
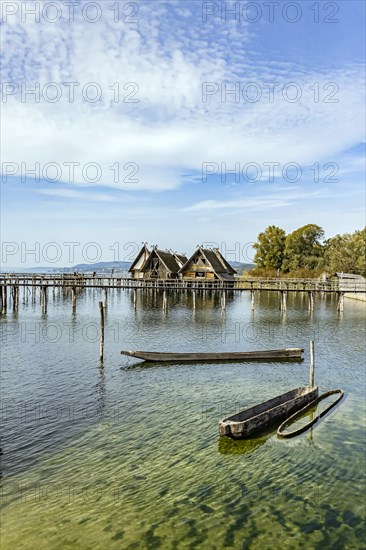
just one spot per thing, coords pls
(134, 298)
(340, 306)
(252, 299)
(311, 429)
(312, 364)
(311, 301)
(165, 301)
(223, 300)
(101, 348)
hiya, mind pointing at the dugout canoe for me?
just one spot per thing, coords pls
(269, 413)
(287, 353)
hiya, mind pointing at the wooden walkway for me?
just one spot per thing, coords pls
(240, 284)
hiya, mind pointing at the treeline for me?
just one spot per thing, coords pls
(306, 253)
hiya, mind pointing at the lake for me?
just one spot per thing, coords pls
(127, 456)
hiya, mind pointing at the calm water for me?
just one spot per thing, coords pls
(127, 456)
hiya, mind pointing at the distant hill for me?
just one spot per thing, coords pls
(101, 267)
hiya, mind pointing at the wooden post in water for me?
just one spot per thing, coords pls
(105, 298)
(73, 299)
(5, 298)
(194, 298)
(312, 363)
(252, 300)
(43, 296)
(101, 347)
(14, 296)
(165, 301)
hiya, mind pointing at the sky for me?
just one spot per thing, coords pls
(177, 123)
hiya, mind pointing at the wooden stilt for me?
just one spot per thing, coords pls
(5, 298)
(165, 301)
(43, 296)
(14, 297)
(312, 363)
(101, 347)
(252, 300)
(194, 299)
(73, 298)
(105, 298)
(340, 306)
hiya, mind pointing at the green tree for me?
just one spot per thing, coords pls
(303, 248)
(270, 248)
(347, 253)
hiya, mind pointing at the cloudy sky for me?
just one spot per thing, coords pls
(178, 123)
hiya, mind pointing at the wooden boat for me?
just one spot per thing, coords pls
(270, 413)
(287, 353)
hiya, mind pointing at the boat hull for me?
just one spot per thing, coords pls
(288, 353)
(270, 413)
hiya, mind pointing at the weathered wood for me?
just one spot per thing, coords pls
(312, 363)
(272, 412)
(43, 298)
(101, 346)
(287, 353)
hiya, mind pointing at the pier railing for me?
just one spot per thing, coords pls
(238, 284)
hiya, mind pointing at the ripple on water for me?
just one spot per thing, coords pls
(116, 458)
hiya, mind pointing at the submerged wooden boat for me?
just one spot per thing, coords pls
(287, 353)
(270, 413)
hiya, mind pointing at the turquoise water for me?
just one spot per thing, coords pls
(124, 456)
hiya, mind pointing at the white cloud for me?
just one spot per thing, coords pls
(170, 130)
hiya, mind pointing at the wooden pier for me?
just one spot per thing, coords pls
(11, 284)
(239, 284)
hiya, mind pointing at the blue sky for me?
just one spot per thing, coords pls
(164, 131)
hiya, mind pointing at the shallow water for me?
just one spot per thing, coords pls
(130, 457)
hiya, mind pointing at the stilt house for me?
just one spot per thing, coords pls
(207, 264)
(162, 264)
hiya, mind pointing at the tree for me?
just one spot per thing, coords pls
(347, 253)
(270, 248)
(303, 248)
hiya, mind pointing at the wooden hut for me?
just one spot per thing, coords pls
(162, 264)
(138, 264)
(208, 265)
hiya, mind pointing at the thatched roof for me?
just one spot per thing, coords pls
(215, 259)
(144, 250)
(168, 259)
